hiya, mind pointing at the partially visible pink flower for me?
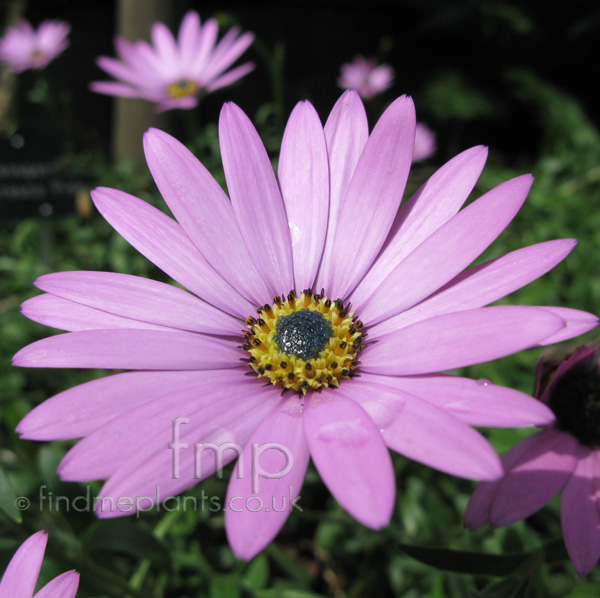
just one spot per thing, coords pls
(171, 72)
(424, 143)
(366, 76)
(564, 456)
(22, 47)
(255, 264)
(22, 573)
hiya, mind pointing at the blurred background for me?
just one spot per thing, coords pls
(515, 76)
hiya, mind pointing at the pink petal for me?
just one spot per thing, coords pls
(256, 199)
(373, 196)
(80, 410)
(67, 315)
(431, 436)
(459, 339)
(304, 180)
(166, 47)
(474, 402)
(346, 133)
(579, 509)
(109, 445)
(125, 349)
(63, 586)
(538, 473)
(21, 575)
(438, 200)
(576, 322)
(447, 251)
(257, 504)
(188, 38)
(149, 472)
(205, 213)
(351, 457)
(140, 299)
(206, 43)
(231, 76)
(164, 243)
(483, 284)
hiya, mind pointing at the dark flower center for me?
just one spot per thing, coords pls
(575, 400)
(304, 333)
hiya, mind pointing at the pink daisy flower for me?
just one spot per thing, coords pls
(307, 263)
(22, 573)
(22, 47)
(425, 145)
(171, 72)
(366, 76)
(564, 456)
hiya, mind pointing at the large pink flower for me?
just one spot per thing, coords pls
(327, 223)
(22, 573)
(22, 47)
(171, 72)
(366, 76)
(564, 456)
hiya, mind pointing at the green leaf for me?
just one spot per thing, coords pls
(460, 561)
(8, 498)
(126, 537)
(225, 586)
(257, 574)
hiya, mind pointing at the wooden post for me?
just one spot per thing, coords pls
(131, 118)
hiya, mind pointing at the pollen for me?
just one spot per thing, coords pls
(182, 88)
(304, 342)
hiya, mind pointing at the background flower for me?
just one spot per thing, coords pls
(22, 573)
(171, 72)
(563, 457)
(366, 76)
(338, 188)
(22, 47)
(425, 144)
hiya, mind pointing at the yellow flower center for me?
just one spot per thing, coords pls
(304, 342)
(182, 88)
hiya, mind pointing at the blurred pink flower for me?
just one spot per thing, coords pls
(22, 47)
(21, 575)
(564, 456)
(329, 220)
(171, 72)
(425, 145)
(366, 77)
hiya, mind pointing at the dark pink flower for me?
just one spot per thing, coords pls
(22, 573)
(300, 246)
(366, 76)
(22, 47)
(563, 457)
(173, 73)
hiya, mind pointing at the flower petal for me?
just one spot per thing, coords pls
(447, 251)
(56, 312)
(483, 284)
(140, 299)
(474, 402)
(266, 481)
(256, 199)
(576, 322)
(459, 339)
(351, 457)
(150, 472)
(22, 572)
(373, 196)
(438, 200)
(431, 436)
(346, 133)
(130, 350)
(304, 180)
(164, 243)
(580, 514)
(63, 586)
(80, 410)
(204, 211)
(540, 471)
